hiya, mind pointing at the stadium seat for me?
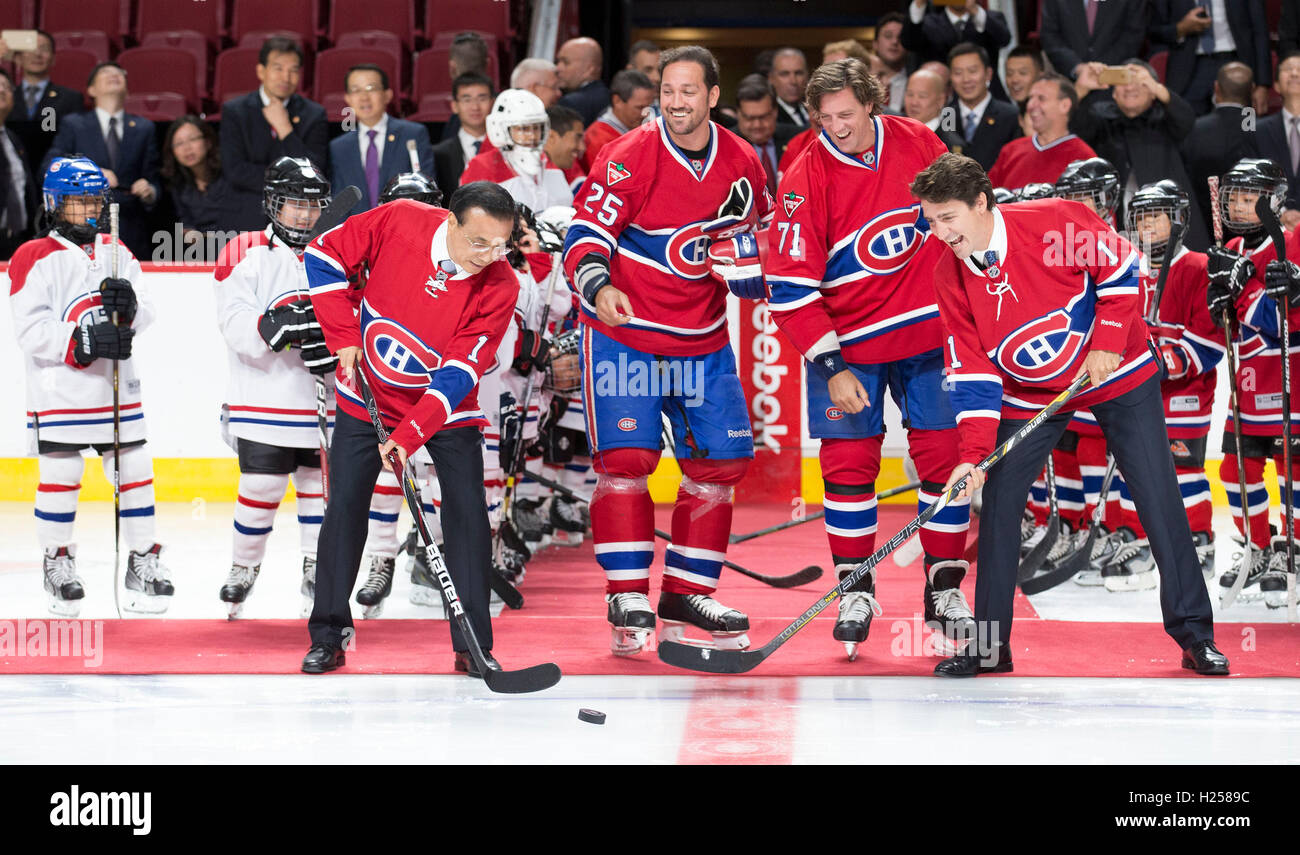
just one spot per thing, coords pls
(395, 16)
(18, 14)
(297, 16)
(332, 67)
(90, 41)
(430, 72)
(72, 68)
(1159, 61)
(190, 41)
(167, 16)
(456, 15)
(432, 107)
(161, 69)
(110, 17)
(157, 106)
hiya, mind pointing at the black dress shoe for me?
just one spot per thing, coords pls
(1204, 658)
(321, 658)
(970, 664)
(465, 663)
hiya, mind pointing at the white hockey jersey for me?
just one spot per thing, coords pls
(54, 288)
(270, 397)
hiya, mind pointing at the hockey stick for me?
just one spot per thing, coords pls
(1243, 569)
(740, 661)
(117, 434)
(1274, 228)
(340, 206)
(803, 577)
(1077, 560)
(532, 679)
(887, 494)
(1034, 559)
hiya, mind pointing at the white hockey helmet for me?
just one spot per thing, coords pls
(518, 126)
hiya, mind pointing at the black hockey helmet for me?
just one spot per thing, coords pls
(1036, 190)
(294, 179)
(1162, 197)
(1259, 177)
(1002, 195)
(412, 185)
(1093, 178)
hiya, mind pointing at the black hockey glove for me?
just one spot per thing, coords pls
(117, 295)
(318, 359)
(101, 341)
(290, 325)
(512, 425)
(1220, 300)
(1282, 281)
(533, 351)
(1229, 269)
(592, 275)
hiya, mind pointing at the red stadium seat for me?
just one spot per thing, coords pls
(90, 41)
(384, 42)
(72, 68)
(111, 17)
(190, 41)
(432, 107)
(157, 106)
(395, 16)
(431, 74)
(18, 14)
(297, 16)
(160, 69)
(167, 16)
(332, 67)
(1159, 61)
(456, 15)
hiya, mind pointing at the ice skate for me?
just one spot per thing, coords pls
(947, 614)
(1205, 552)
(1067, 543)
(513, 554)
(857, 608)
(379, 584)
(1272, 583)
(1103, 551)
(62, 583)
(424, 588)
(1031, 534)
(726, 627)
(239, 584)
(631, 622)
(1132, 568)
(1259, 561)
(308, 587)
(148, 588)
(532, 520)
(567, 522)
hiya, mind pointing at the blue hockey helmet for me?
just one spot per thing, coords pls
(71, 177)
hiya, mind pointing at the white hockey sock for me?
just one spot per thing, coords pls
(575, 475)
(259, 499)
(385, 507)
(56, 497)
(138, 529)
(311, 506)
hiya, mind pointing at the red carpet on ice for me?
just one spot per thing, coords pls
(563, 621)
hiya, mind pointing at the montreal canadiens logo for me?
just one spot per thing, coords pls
(397, 356)
(688, 252)
(834, 413)
(627, 423)
(285, 299)
(1042, 348)
(85, 310)
(888, 242)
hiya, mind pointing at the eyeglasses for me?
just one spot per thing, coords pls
(373, 87)
(480, 247)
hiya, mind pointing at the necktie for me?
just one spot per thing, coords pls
(32, 93)
(1207, 37)
(113, 143)
(770, 168)
(477, 145)
(10, 206)
(1092, 15)
(372, 169)
(971, 124)
(1293, 141)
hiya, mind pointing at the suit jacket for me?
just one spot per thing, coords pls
(1246, 21)
(1119, 31)
(1270, 141)
(1216, 142)
(590, 100)
(999, 125)
(248, 147)
(347, 168)
(137, 158)
(31, 198)
(448, 164)
(1288, 29)
(36, 141)
(931, 39)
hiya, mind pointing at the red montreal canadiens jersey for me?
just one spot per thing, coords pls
(1024, 161)
(643, 207)
(1184, 322)
(1065, 283)
(1259, 348)
(848, 256)
(427, 330)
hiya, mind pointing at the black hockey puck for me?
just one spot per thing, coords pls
(591, 716)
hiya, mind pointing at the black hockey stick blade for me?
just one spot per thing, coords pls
(1069, 566)
(531, 679)
(1030, 563)
(340, 206)
(508, 593)
(710, 661)
(772, 529)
